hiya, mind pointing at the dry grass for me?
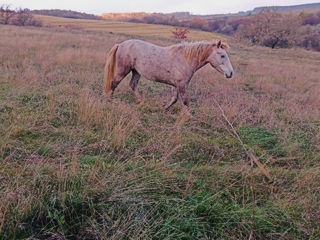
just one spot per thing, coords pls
(125, 28)
(76, 167)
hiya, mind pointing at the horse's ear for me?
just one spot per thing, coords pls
(219, 44)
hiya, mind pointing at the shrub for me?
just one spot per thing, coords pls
(311, 40)
(180, 33)
(312, 19)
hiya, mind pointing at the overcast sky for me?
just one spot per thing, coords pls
(193, 6)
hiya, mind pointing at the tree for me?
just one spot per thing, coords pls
(6, 14)
(271, 28)
(199, 23)
(19, 17)
(23, 17)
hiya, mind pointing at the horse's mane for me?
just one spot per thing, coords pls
(198, 50)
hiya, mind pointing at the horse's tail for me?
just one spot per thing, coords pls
(110, 68)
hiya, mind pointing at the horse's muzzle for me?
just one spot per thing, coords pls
(230, 75)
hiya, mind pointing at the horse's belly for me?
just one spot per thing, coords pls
(158, 74)
(160, 78)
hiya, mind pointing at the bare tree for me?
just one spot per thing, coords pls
(24, 17)
(6, 14)
(19, 17)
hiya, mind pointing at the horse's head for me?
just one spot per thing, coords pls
(219, 59)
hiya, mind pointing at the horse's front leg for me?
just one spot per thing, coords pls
(184, 98)
(173, 100)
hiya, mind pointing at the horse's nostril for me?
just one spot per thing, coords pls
(230, 75)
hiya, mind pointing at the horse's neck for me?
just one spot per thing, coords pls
(201, 65)
(197, 65)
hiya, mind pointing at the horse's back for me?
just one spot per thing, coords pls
(138, 42)
(136, 48)
(151, 61)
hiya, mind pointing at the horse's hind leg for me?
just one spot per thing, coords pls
(173, 100)
(115, 82)
(134, 83)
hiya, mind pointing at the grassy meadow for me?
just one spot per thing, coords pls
(123, 28)
(74, 166)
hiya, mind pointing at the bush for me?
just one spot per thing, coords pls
(180, 33)
(311, 39)
(312, 19)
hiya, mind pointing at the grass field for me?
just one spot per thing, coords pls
(76, 167)
(124, 28)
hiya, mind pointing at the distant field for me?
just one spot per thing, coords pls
(144, 30)
(74, 166)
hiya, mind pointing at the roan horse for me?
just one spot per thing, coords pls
(173, 65)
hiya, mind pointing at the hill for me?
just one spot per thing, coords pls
(185, 16)
(301, 7)
(126, 28)
(66, 14)
(298, 29)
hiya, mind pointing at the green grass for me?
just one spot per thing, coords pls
(262, 140)
(166, 213)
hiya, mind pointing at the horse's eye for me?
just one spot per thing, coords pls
(223, 56)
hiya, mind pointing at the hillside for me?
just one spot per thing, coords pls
(126, 28)
(301, 7)
(181, 16)
(185, 16)
(299, 27)
(74, 166)
(65, 14)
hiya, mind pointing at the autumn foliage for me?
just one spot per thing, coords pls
(180, 33)
(271, 28)
(267, 27)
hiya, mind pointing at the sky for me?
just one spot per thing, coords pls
(193, 6)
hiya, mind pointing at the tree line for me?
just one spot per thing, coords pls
(267, 28)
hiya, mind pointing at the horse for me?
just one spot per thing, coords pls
(173, 65)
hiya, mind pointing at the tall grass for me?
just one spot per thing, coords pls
(76, 167)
